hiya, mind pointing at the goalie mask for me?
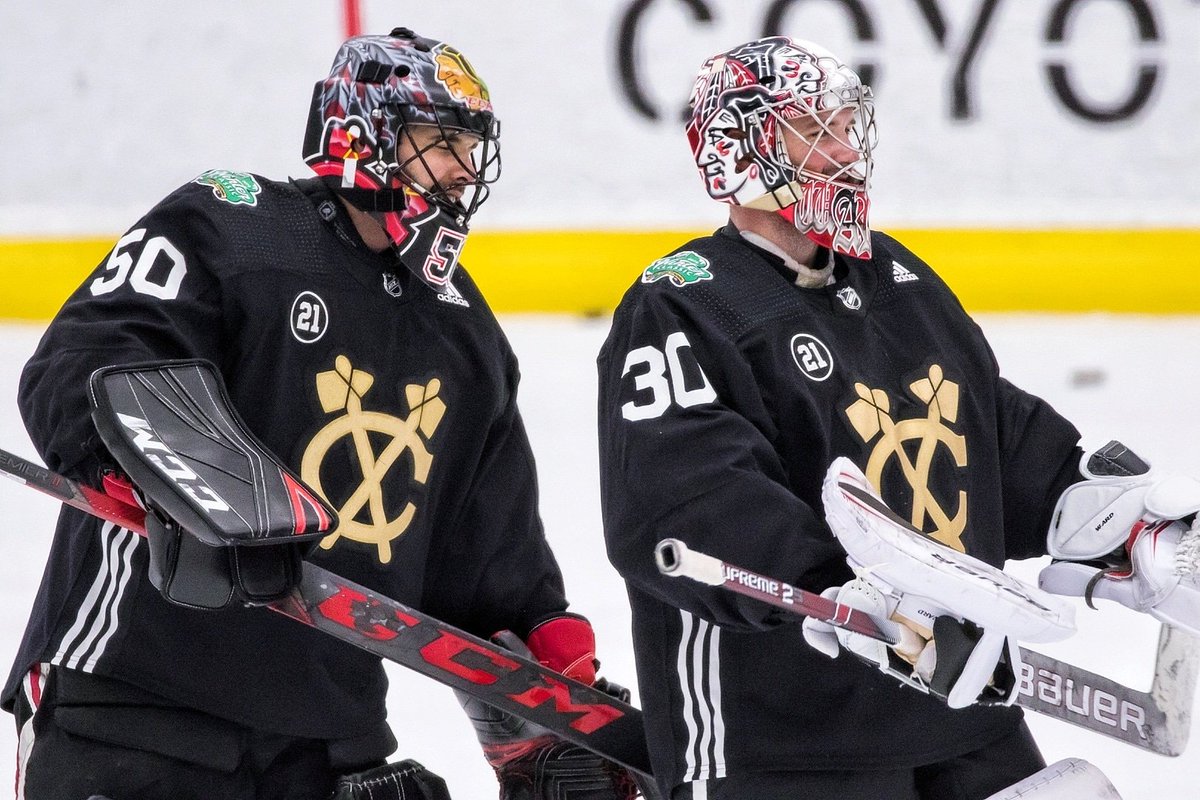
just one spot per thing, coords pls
(782, 125)
(392, 110)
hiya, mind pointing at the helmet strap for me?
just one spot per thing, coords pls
(375, 200)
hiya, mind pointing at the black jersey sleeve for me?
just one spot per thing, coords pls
(495, 571)
(1039, 458)
(152, 297)
(685, 452)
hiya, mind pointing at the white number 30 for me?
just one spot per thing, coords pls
(121, 266)
(664, 378)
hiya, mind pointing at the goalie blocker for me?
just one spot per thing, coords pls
(226, 520)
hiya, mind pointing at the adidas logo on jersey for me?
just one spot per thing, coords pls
(453, 296)
(900, 273)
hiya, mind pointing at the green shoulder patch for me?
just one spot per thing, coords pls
(235, 188)
(681, 269)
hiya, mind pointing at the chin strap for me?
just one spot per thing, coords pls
(381, 200)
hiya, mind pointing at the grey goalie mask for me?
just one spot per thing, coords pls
(389, 102)
(783, 125)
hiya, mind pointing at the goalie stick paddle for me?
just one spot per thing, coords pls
(353, 613)
(1157, 720)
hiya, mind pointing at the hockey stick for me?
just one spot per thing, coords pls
(353, 613)
(1157, 720)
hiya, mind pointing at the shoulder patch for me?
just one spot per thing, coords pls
(235, 188)
(681, 269)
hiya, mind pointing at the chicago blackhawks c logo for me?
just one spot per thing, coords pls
(870, 415)
(363, 515)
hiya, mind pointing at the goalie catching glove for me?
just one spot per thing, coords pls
(1128, 535)
(960, 619)
(530, 762)
(225, 519)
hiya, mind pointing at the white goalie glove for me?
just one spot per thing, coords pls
(1128, 535)
(960, 618)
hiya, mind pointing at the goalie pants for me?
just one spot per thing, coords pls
(973, 776)
(81, 734)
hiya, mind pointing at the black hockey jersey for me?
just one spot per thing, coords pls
(397, 403)
(725, 392)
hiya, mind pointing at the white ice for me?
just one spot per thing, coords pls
(1131, 378)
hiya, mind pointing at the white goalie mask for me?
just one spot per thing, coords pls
(748, 102)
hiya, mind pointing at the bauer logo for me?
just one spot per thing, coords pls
(1065, 697)
(309, 317)
(680, 269)
(812, 356)
(235, 188)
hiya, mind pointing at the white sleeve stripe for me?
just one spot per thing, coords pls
(96, 618)
(698, 665)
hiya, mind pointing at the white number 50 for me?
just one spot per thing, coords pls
(121, 266)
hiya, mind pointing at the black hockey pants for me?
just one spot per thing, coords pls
(90, 735)
(973, 776)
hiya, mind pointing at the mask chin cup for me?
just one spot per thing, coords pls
(834, 215)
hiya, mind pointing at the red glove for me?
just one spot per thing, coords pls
(530, 762)
(566, 644)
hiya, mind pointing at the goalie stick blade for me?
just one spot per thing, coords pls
(1157, 720)
(393, 631)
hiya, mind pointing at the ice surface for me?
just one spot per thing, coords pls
(1131, 378)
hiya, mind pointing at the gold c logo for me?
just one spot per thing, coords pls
(342, 389)
(870, 416)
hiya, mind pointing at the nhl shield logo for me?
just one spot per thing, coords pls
(850, 298)
(391, 284)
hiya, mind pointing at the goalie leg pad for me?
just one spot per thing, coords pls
(1069, 779)
(403, 780)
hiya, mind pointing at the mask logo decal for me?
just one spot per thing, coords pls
(460, 79)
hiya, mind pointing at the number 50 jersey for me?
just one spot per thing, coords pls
(395, 401)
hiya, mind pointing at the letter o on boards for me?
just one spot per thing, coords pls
(1060, 81)
(627, 31)
(860, 19)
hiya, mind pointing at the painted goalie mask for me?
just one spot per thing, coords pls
(742, 104)
(380, 91)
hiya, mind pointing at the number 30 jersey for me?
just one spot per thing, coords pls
(726, 390)
(395, 401)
